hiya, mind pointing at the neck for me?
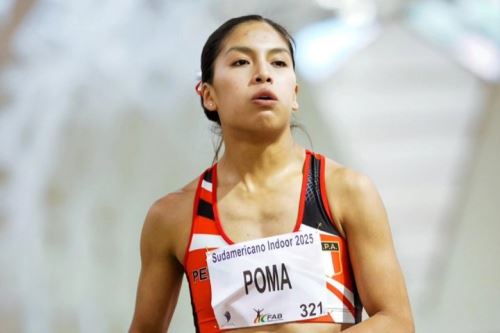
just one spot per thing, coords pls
(257, 161)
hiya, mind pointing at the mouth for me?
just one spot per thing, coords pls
(264, 95)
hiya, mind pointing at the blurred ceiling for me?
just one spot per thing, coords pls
(402, 107)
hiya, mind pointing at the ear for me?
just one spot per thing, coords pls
(208, 97)
(295, 103)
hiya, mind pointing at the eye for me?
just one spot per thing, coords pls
(240, 62)
(279, 63)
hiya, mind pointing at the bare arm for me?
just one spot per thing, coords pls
(161, 272)
(376, 269)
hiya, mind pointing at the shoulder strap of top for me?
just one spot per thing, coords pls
(316, 211)
(204, 196)
(202, 206)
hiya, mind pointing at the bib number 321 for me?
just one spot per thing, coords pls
(311, 309)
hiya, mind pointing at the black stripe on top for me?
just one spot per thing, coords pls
(205, 208)
(208, 175)
(315, 214)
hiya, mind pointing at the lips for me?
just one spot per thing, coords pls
(264, 95)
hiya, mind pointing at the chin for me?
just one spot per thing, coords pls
(270, 126)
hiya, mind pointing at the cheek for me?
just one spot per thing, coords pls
(289, 86)
(229, 87)
(288, 79)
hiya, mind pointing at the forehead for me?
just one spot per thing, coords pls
(256, 34)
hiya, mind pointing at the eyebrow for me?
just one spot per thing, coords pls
(248, 50)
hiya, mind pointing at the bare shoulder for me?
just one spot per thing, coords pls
(352, 192)
(168, 221)
(346, 180)
(172, 209)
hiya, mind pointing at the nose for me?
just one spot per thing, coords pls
(262, 75)
(260, 78)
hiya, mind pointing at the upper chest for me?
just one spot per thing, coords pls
(260, 213)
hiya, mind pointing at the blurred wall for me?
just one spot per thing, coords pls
(466, 296)
(98, 118)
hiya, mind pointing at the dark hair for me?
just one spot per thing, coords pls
(213, 46)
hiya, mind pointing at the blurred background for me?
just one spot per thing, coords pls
(99, 117)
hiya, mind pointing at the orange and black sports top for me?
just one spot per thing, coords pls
(207, 234)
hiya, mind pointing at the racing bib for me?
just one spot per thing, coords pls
(268, 281)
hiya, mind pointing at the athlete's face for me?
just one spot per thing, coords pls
(254, 84)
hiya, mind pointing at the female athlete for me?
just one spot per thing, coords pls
(272, 237)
